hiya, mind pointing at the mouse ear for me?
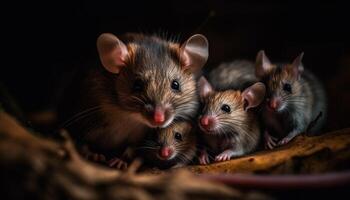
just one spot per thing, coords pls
(194, 53)
(263, 65)
(204, 87)
(254, 95)
(112, 52)
(297, 66)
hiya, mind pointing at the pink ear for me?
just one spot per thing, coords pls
(297, 66)
(254, 95)
(263, 65)
(112, 52)
(204, 87)
(194, 53)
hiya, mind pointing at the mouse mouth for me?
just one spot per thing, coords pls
(158, 116)
(166, 159)
(161, 156)
(279, 109)
(208, 131)
(151, 123)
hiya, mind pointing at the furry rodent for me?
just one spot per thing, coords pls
(145, 82)
(295, 97)
(171, 147)
(228, 121)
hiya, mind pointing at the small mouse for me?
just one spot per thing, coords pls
(228, 121)
(171, 147)
(234, 75)
(144, 82)
(295, 97)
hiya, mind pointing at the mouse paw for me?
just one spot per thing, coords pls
(284, 141)
(270, 142)
(204, 158)
(117, 163)
(95, 157)
(224, 156)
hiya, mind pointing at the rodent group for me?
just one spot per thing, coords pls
(150, 99)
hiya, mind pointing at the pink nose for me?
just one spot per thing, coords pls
(165, 152)
(274, 103)
(159, 115)
(207, 122)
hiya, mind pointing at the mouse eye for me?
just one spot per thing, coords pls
(287, 87)
(175, 85)
(138, 85)
(226, 108)
(178, 136)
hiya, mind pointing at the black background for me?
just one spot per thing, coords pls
(44, 42)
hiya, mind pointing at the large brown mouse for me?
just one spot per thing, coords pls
(228, 121)
(145, 82)
(295, 97)
(171, 147)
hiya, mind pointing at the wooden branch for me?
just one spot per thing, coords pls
(325, 153)
(36, 168)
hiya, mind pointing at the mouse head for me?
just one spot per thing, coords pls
(226, 111)
(284, 87)
(154, 78)
(177, 141)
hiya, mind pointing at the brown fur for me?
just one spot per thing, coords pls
(184, 151)
(110, 114)
(238, 130)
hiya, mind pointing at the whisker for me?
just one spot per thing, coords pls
(80, 116)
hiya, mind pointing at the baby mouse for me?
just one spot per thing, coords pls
(171, 147)
(144, 82)
(294, 98)
(229, 124)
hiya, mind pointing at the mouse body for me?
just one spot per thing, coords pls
(145, 82)
(295, 97)
(234, 75)
(171, 147)
(228, 121)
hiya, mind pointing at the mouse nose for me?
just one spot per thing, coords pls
(159, 115)
(207, 122)
(274, 103)
(165, 152)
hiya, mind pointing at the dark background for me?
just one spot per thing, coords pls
(45, 42)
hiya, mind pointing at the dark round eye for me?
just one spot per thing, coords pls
(287, 87)
(138, 86)
(175, 85)
(178, 136)
(226, 108)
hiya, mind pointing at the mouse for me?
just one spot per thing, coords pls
(142, 82)
(228, 121)
(236, 75)
(294, 98)
(171, 147)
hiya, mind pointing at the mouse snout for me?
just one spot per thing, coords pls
(165, 152)
(158, 115)
(274, 103)
(207, 122)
